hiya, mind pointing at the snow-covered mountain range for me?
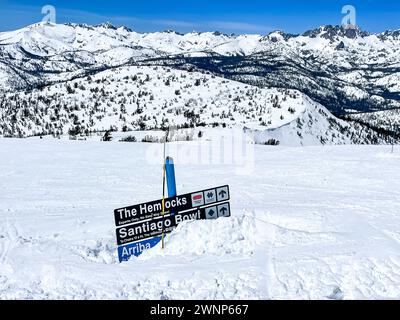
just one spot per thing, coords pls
(58, 78)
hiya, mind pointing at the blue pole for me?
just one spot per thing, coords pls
(171, 182)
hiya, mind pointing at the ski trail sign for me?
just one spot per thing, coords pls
(151, 210)
(139, 227)
(153, 228)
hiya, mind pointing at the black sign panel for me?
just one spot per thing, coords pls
(151, 210)
(154, 228)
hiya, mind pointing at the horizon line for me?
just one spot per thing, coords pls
(115, 26)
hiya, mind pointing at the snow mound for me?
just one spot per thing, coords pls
(225, 236)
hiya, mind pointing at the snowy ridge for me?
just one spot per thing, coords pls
(388, 120)
(151, 98)
(316, 125)
(49, 40)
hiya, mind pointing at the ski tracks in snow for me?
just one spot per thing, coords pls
(332, 264)
(264, 254)
(8, 237)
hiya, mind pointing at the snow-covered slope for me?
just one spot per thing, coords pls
(388, 120)
(316, 125)
(148, 98)
(308, 223)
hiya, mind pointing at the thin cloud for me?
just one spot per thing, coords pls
(246, 27)
(229, 26)
(31, 14)
(174, 23)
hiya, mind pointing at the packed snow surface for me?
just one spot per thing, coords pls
(307, 223)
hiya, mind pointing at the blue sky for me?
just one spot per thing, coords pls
(246, 16)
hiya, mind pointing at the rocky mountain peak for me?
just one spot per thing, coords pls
(335, 33)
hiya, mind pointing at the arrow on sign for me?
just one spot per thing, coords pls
(222, 193)
(224, 210)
